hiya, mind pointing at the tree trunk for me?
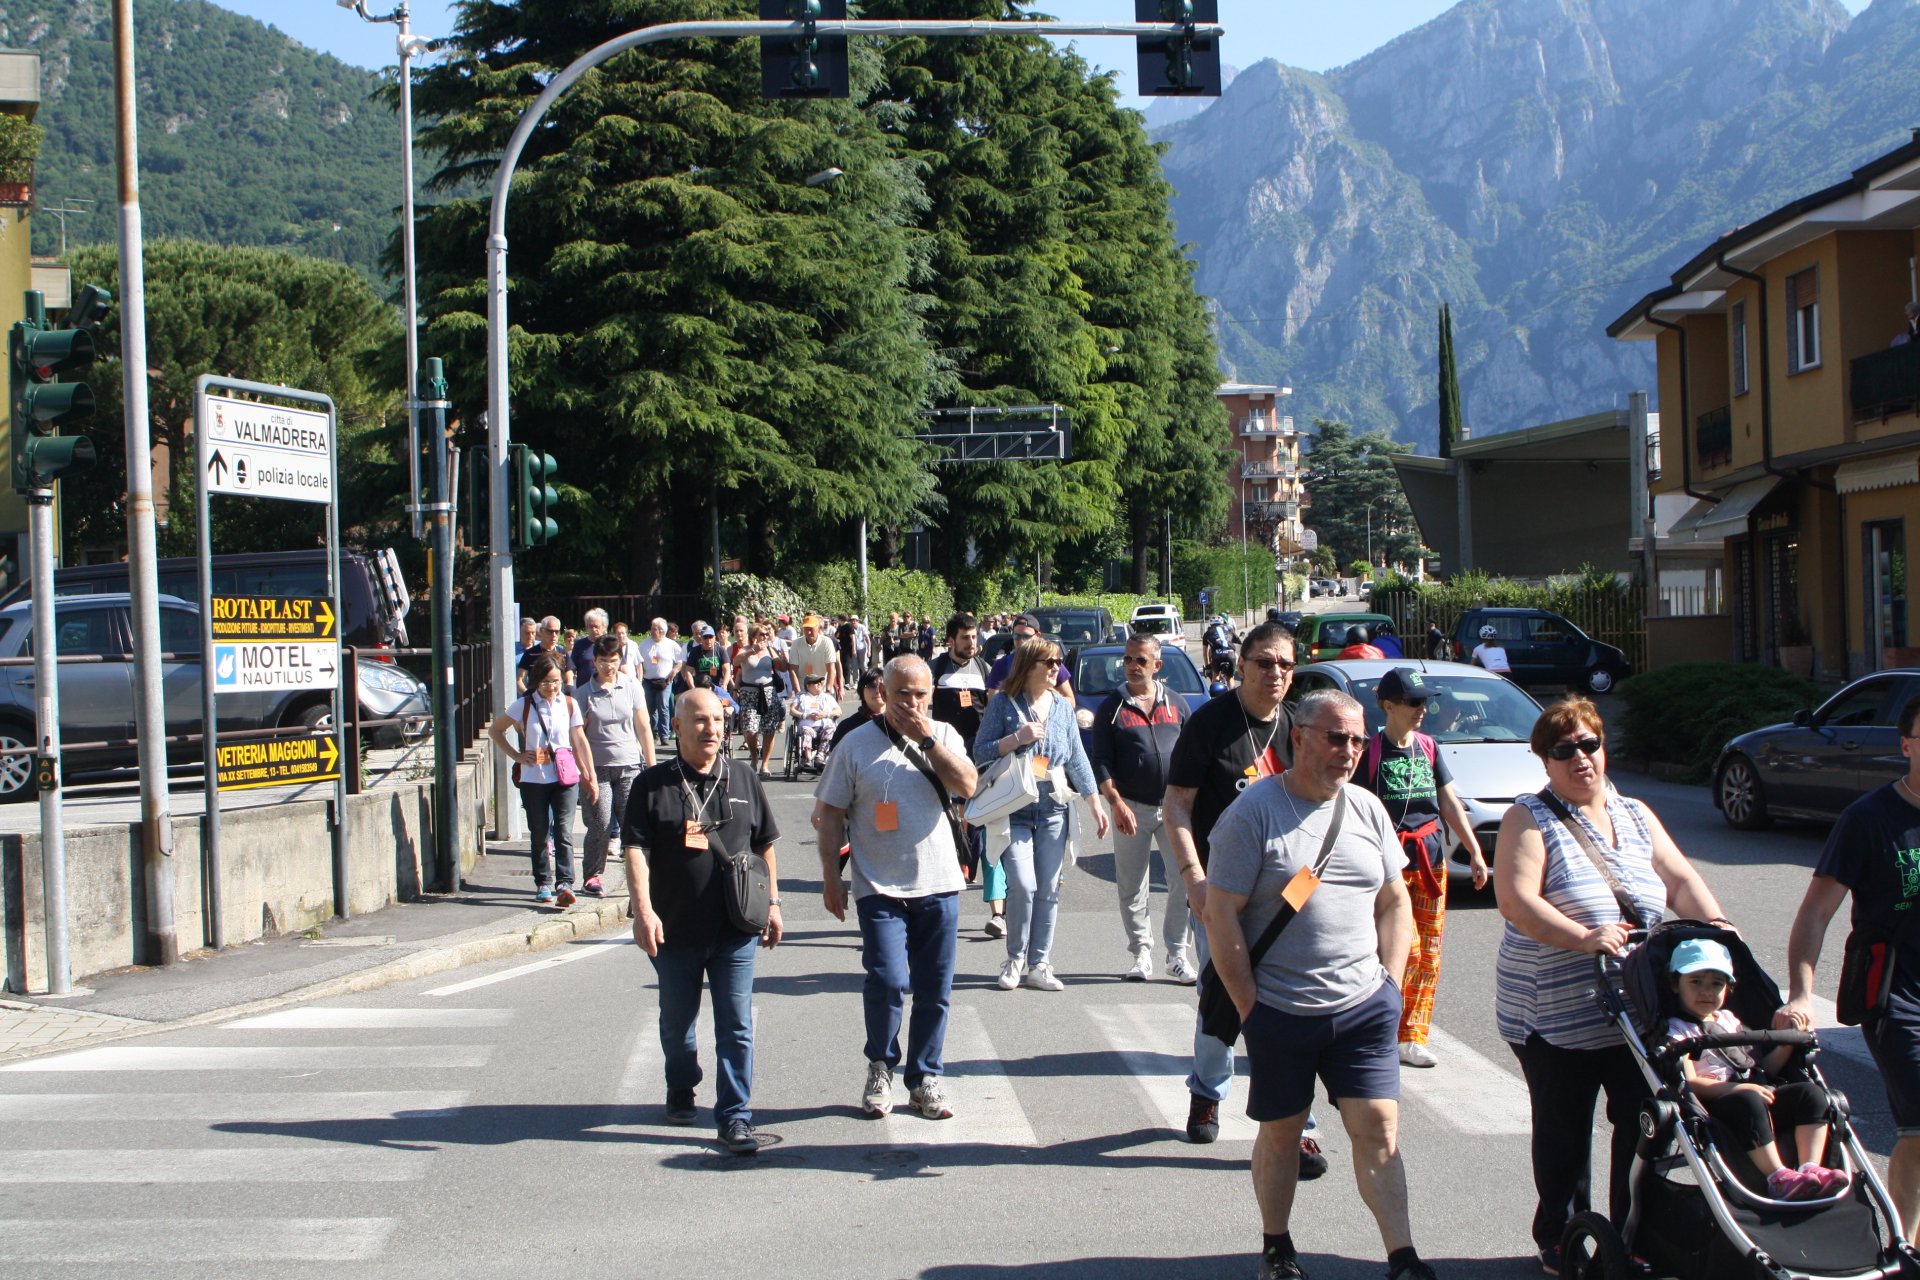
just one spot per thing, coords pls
(886, 555)
(762, 548)
(648, 576)
(1141, 532)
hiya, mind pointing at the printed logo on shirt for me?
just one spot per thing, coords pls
(1407, 778)
(1908, 863)
(1265, 765)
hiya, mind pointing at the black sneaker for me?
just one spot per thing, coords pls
(1415, 1270)
(741, 1139)
(1203, 1120)
(1280, 1266)
(680, 1108)
(1549, 1259)
(1312, 1163)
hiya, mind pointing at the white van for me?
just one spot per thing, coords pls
(1162, 621)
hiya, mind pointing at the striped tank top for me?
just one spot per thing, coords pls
(1543, 989)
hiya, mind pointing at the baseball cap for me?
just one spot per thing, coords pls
(1696, 954)
(704, 631)
(785, 618)
(811, 620)
(1027, 620)
(1404, 684)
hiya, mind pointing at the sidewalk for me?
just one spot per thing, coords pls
(494, 917)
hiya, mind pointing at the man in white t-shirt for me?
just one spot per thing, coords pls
(1490, 653)
(661, 658)
(814, 654)
(906, 878)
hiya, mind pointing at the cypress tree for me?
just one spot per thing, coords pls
(1449, 385)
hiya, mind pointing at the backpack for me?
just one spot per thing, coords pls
(1376, 745)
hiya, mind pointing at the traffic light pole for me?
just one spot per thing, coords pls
(446, 756)
(46, 704)
(499, 432)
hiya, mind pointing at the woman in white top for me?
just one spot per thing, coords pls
(550, 728)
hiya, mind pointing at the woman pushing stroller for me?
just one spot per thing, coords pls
(1736, 1090)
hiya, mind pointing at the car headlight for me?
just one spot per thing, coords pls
(391, 679)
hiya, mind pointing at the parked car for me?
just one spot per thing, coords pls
(1480, 722)
(96, 699)
(1072, 627)
(1324, 635)
(1161, 621)
(1317, 587)
(1545, 648)
(1820, 762)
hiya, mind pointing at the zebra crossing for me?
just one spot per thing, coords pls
(228, 1123)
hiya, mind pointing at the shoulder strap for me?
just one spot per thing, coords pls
(1376, 747)
(1628, 908)
(1428, 745)
(942, 664)
(1286, 913)
(914, 757)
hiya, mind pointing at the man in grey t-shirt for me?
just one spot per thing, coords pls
(1324, 1001)
(906, 877)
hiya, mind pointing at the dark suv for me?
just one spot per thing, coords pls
(1544, 648)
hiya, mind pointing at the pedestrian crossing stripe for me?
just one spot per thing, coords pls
(115, 1057)
(133, 1241)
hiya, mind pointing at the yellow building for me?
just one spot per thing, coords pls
(1789, 384)
(19, 95)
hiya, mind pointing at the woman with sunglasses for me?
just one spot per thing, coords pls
(1029, 716)
(1562, 909)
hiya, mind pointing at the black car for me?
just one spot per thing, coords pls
(1544, 648)
(1074, 627)
(1822, 761)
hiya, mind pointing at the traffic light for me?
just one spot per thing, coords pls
(1185, 64)
(39, 405)
(538, 497)
(807, 66)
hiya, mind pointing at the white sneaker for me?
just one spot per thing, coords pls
(877, 1099)
(1416, 1055)
(1181, 970)
(996, 926)
(1142, 966)
(1041, 978)
(1010, 973)
(930, 1100)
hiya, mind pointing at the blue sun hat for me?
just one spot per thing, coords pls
(1696, 954)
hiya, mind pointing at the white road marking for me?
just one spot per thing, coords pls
(142, 1240)
(250, 1058)
(986, 1110)
(643, 1081)
(585, 951)
(122, 1108)
(1155, 1041)
(1467, 1092)
(162, 1166)
(316, 1019)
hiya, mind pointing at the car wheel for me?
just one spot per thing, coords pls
(16, 772)
(1600, 680)
(1743, 798)
(1590, 1249)
(315, 717)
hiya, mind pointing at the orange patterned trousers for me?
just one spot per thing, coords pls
(1423, 960)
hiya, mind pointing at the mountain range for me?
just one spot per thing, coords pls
(1538, 164)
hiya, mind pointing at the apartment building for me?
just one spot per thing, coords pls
(1269, 499)
(1789, 388)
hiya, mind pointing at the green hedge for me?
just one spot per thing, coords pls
(1683, 715)
(834, 588)
(1244, 576)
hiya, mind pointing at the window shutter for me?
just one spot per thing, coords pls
(1793, 324)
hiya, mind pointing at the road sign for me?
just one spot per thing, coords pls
(257, 666)
(267, 451)
(272, 618)
(278, 762)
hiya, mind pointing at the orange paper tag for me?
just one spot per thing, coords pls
(1040, 767)
(1300, 888)
(966, 698)
(695, 838)
(886, 816)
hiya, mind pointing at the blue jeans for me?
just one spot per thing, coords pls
(1034, 860)
(727, 966)
(658, 702)
(550, 809)
(907, 944)
(1212, 1061)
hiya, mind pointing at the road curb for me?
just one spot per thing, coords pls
(584, 921)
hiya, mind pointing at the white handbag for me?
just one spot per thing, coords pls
(1007, 786)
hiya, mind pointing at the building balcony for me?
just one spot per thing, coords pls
(1885, 383)
(1269, 512)
(1267, 470)
(1267, 426)
(1713, 439)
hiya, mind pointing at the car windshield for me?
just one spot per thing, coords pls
(1466, 709)
(1154, 626)
(1071, 628)
(1100, 672)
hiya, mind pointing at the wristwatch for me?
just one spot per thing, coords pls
(926, 743)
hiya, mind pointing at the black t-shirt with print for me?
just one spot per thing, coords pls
(687, 895)
(955, 683)
(1874, 850)
(1222, 751)
(1408, 782)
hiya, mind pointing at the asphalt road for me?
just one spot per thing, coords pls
(505, 1120)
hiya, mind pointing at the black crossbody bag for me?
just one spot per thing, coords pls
(746, 882)
(1219, 1017)
(956, 820)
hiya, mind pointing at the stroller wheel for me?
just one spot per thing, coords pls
(1590, 1249)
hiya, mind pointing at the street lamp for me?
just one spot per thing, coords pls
(407, 44)
(1370, 507)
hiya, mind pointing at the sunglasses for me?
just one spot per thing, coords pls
(1565, 750)
(1052, 662)
(1272, 664)
(1342, 741)
(1137, 661)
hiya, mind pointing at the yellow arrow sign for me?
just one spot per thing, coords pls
(324, 616)
(273, 618)
(329, 756)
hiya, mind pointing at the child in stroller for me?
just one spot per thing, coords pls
(1740, 1093)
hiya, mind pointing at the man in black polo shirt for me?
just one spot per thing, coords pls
(680, 815)
(1234, 742)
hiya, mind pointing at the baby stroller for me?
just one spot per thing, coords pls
(1698, 1208)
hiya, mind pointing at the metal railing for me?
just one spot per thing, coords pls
(1713, 438)
(1881, 384)
(1266, 424)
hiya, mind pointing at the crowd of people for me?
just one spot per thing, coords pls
(1304, 854)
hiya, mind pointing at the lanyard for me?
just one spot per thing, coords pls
(541, 713)
(697, 806)
(1272, 733)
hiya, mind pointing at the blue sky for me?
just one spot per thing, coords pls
(1315, 36)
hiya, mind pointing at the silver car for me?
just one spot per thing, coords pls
(1480, 721)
